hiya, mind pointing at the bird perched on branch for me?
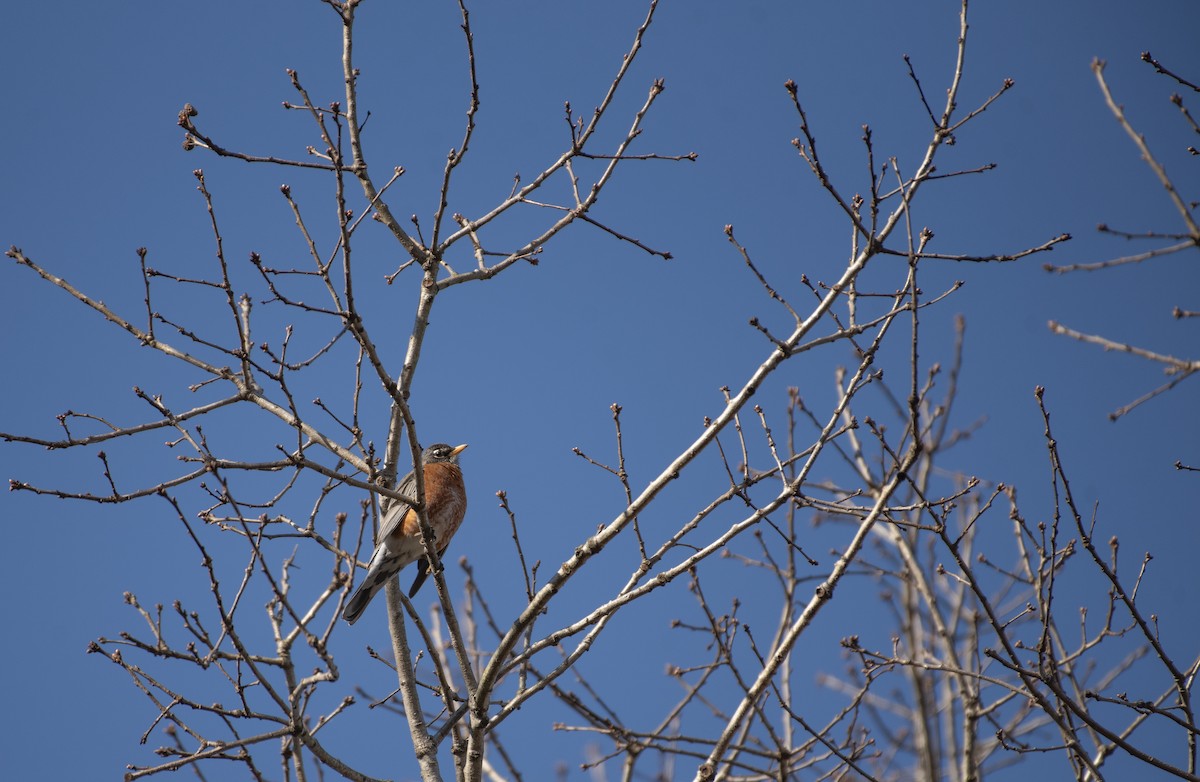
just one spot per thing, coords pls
(399, 542)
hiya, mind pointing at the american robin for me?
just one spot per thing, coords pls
(399, 542)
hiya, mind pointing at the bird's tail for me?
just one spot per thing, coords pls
(376, 577)
(385, 564)
(359, 600)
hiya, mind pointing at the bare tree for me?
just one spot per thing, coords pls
(1176, 369)
(980, 670)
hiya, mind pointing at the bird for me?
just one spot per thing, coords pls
(399, 541)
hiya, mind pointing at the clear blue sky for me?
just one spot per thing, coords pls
(93, 168)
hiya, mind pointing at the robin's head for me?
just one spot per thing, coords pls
(441, 452)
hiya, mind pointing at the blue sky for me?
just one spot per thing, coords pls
(525, 366)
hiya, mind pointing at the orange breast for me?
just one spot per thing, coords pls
(446, 500)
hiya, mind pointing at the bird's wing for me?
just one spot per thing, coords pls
(397, 509)
(419, 580)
